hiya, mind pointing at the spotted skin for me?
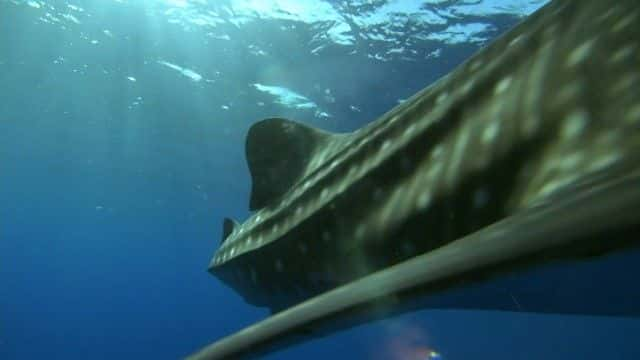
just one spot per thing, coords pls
(537, 134)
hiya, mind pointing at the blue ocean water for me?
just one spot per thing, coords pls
(122, 129)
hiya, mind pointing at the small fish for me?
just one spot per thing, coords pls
(525, 156)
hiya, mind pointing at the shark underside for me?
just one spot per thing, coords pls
(524, 159)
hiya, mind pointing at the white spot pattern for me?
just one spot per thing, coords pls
(581, 53)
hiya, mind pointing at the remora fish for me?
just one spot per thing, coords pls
(526, 155)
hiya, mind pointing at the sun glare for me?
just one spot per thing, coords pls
(178, 3)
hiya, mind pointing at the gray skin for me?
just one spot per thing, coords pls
(524, 159)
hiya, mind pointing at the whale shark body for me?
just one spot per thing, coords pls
(524, 158)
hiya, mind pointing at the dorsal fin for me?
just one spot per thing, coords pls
(228, 225)
(278, 153)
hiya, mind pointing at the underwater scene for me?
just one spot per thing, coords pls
(320, 179)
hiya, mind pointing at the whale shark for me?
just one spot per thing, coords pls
(525, 159)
